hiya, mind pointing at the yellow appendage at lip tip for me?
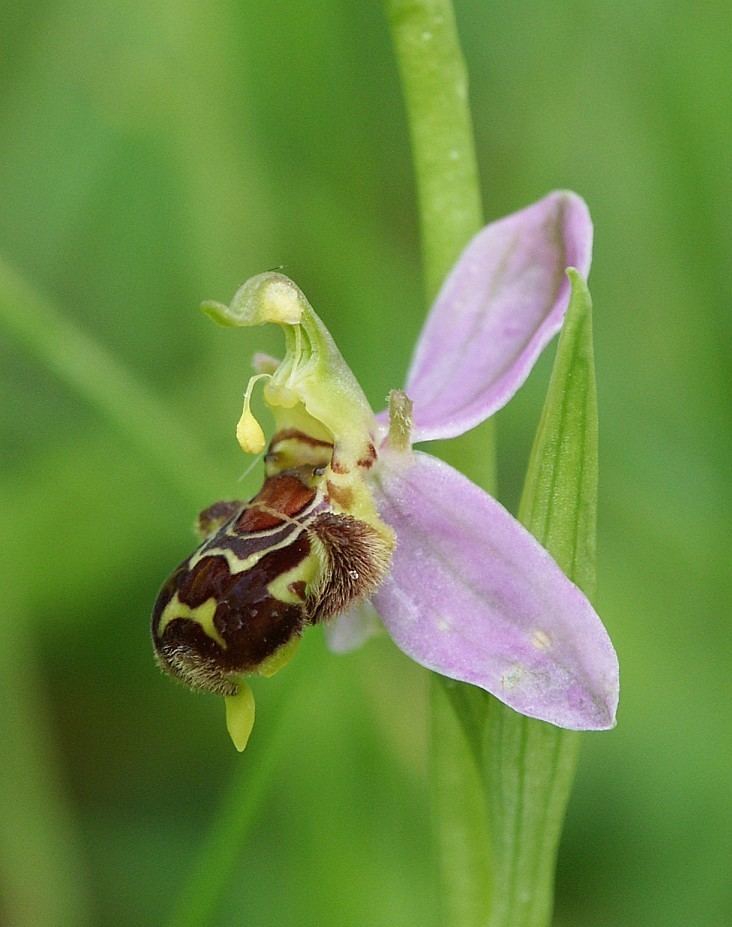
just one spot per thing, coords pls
(240, 716)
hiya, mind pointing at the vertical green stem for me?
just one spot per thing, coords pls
(459, 809)
(435, 85)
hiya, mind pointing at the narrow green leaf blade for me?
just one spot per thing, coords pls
(530, 765)
(559, 501)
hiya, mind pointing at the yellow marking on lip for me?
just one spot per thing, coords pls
(237, 564)
(305, 571)
(202, 614)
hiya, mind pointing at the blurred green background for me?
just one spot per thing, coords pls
(153, 155)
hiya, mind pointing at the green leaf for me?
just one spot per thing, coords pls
(530, 765)
(559, 501)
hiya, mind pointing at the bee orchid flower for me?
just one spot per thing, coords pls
(352, 523)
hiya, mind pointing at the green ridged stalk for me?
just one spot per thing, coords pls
(435, 86)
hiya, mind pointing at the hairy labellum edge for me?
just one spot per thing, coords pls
(357, 558)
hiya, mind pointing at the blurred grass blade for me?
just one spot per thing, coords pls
(531, 764)
(103, 381)
(204, 890)
(202, 894)
(43, 882)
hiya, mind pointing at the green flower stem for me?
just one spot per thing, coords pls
(101, 380)
(435, 86)
(459, 809)
(531, 764)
